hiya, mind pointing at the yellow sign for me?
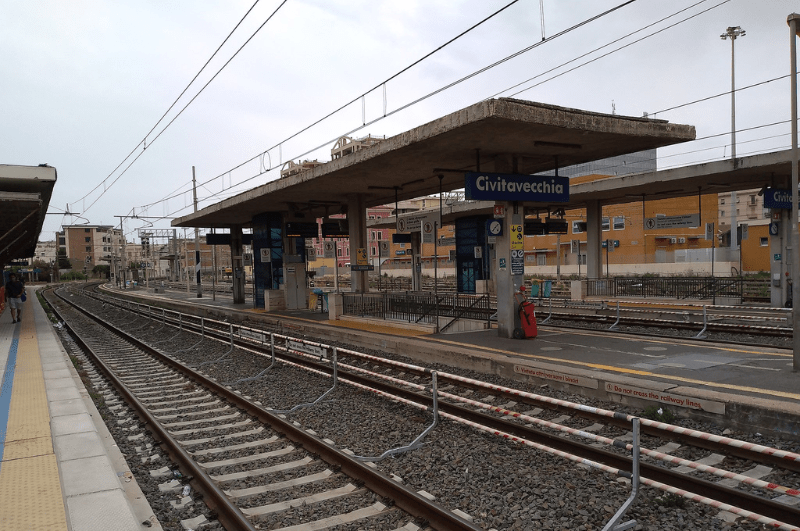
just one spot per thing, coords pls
(361, 256)
(516, 237)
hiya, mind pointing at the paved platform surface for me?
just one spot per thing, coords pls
(59, 466)
(718, 373)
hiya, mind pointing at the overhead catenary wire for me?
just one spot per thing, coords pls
(414, 102)
(602, 56)
(352, 101)
(103, 183)
(263, 170)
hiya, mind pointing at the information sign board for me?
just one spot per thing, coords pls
(516, 236)
(314, 350)
(672, 222)
(329, 249)
(778, 199)
(361, 256)
(514, 187)
(266, 255)
(517, 262)
(414, 221)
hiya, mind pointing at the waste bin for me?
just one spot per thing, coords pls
(527, 316)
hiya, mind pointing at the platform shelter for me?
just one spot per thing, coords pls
(506, 139)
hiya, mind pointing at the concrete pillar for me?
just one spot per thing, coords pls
(506, 283)
(594, 236)
(237, 266)
(416, 261)
(357, 223)
(780, 244)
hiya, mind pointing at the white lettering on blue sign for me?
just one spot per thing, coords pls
(510, 187)
(777, 198)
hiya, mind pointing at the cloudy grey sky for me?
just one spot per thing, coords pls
(83, 82)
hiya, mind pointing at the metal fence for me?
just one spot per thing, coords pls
(699, 288)
(418, 308)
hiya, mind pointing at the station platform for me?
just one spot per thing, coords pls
(746, 385)
(59, 465)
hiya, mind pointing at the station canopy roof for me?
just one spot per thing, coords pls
(24, 197)
(754, 172)
(492, 133)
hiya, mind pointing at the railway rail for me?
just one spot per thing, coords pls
(164, 393)
(550, 425)
(765, 325)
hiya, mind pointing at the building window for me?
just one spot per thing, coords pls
(88, 239)
(577, 227)
(722, 213)
(88, 249)
(721, 200)
(619, 222)
(606, 223)
(541, 259)
(582, 259)
(764, 242)
(87, 230)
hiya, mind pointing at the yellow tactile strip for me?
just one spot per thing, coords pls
(30, 495)
(30, 487)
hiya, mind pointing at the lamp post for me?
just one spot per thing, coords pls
(732, 33)
(794, 25)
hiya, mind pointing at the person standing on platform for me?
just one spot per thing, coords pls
(14, 291)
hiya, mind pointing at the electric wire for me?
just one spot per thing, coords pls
(171, 106)
(418, 100)
(354, 100)
(721, 94)
(218, 194)
(602, 56)
(187, 105)
(590, 52)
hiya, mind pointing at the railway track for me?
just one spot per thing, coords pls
(213, 435)
(759, 483)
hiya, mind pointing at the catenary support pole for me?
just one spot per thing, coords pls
(794, 24)
(196, 241)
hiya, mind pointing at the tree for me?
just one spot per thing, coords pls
(46, 270)
(63, 261)
(101, 270)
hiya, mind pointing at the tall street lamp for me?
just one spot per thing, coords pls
(794, 25)
(732, 33)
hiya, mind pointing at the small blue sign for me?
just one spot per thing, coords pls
(778, 199)
(512, 187)
(494, 227)
(774, 228)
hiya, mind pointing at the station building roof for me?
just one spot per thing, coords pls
(24, 197)
(766, 170)
(407, 165)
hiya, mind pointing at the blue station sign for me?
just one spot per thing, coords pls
(778, 199)
(513, 187)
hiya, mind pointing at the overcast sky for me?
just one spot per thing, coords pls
(83, 82)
